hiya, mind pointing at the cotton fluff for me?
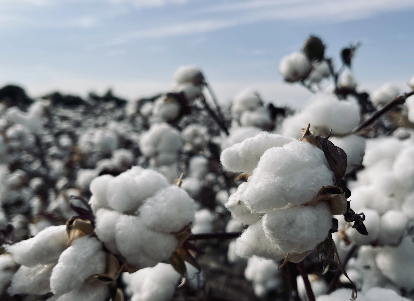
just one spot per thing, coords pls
(246, 100)
(32, 120)
(192, 186)
(410, 105)
(137, 214)
(188, 74)
(7, 269)
(238, 210)
(203, 220)
(264, 275)
(393, 225)
(319, 286)
(324, 113)
(195, 137)
(396, 263)
(85, 177)
(84, 258)
(152, 284)
(384, 94)
(161, 143)
(198, 167)
(295, 67)
(44, 248)
(165, 109)
(260, 118)
(239, 134)
(32, 280)
(319, 72)
(347, 80)
(191, 91)
(95, 291)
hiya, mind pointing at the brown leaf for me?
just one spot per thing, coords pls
(294, 257)
(335, 198)
(309, 137)
(186, 255)
(178, 264)
(77, 227)
(335, 156)
(112, 271)
(178, 181)
(183, 234)
(243, 176)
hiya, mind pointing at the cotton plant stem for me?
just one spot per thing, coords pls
(302, 82)
(332, 71)
(308, 287)
(213, 115)
(338, 273)
(228, 235)
(213, 96)
(400, 99)
(291, 272)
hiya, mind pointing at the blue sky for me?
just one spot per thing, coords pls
(134, 46)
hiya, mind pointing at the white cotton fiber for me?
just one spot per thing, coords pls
(319, 72)
(409, 102)
(32, 280)
(319, 286)
(99, 188)
(234, 225)
(347, 80)
(85, 177)
(380, 293)
(7, 270)
(379, 149)
(298, 229)
(195, 136)
(372, 223)
(106, 220)
(342, 294)
(244, 156)
(259, 117)
(203, 221)
(238, 210)
(253, 242)
(188, 74)
(122, 193)
(384, 94)
(354, 147)
(44, 248)
(238, 135)
(168, 211)
(166, 109)
(245, 100)
(190, 90)
(291, 174)
(263, 273)
(393, 225)
(81, 260)
(408, 206)
(324, 113)
(397, 263)
(192, 186)
(96, 291)
(295, 67)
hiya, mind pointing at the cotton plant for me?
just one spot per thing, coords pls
(195, 137)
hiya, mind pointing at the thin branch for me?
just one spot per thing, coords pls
(400, 99)
(338, 273)
(213, 96)
(308, 287)
(228, 235)
(213, 115)
(302, 82)
(291, 272)
(331, 69)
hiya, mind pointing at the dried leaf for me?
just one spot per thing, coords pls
(309, 137)
(77, 227)
(186, 255)
(243, 176)
(112, 271)
(8, 234)
(119, 295)
(178, 181)
(183, 234)
(344, 237)
(335, 156)
(334, 196)
(178, 264)
(294, 257)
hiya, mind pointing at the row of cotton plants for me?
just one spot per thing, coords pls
(175, 197)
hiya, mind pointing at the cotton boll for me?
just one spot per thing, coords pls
(339, 295)
(95, 291)
(381, 149)
(372, 223)
(239, 211)
(384, 94)
(234, 225)
(85, 177)
(190, 90)
(253, 242)
(319, 286)
(379, 293)
(347, 80)
(105, 224)
(410, 105)
(238, 135)
(44, 248)
(166, 109)
(393, 224)
(354, 147)
(246, 100)
(81, 260)
(188, 74)
(99, 188)
(408, 206)
(404, 168)
(396, 263)
(319, 72)
(121, 193)
(195, 136)
(7, 270)
(203, 220)
(263, 274)
(375, 199)
(31, 280)
(122, 158)
(198, 167)
(169, 210)
(298, 229)
(192, 186)
(295, 67)
(259, 117)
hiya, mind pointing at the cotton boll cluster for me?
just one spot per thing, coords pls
(319, 286)
(324, 113)
(196, 137)
(295, 67)
(152, 284)
(263, 274)
(189, 80)
(284, 174)
(384, 94)
(137, 214)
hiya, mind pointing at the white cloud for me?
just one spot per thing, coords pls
(148, 3)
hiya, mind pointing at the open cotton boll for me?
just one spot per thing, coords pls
(253, 242)
(81, 260)
(380, 293)
(263, 274)
(354, 147)
(404, 168)
(32, 280)
(409, 102)
(7, 270)
(384, 94)
(259, 117)
(319, 72)
(85, 177)
(238, 210)
(341, 294)
(190, 90)
(238, 135)
(291, 174)
(188, 74)
(324, 113)
(245, 100)
(203, 220)
(165, 109)
(122, 158)
(99, 188)
(44, 248)
(170, 210)
(372, 223)
(198, 167)
(195, 136)
(298, 229)
(106, 220)
(393, 225)
(234, 225)
(95, 291)
(396, 263)
(244, 156)
(295, 67)
(386, 148)
(347, 80)
(319, 286)
(192, 186)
